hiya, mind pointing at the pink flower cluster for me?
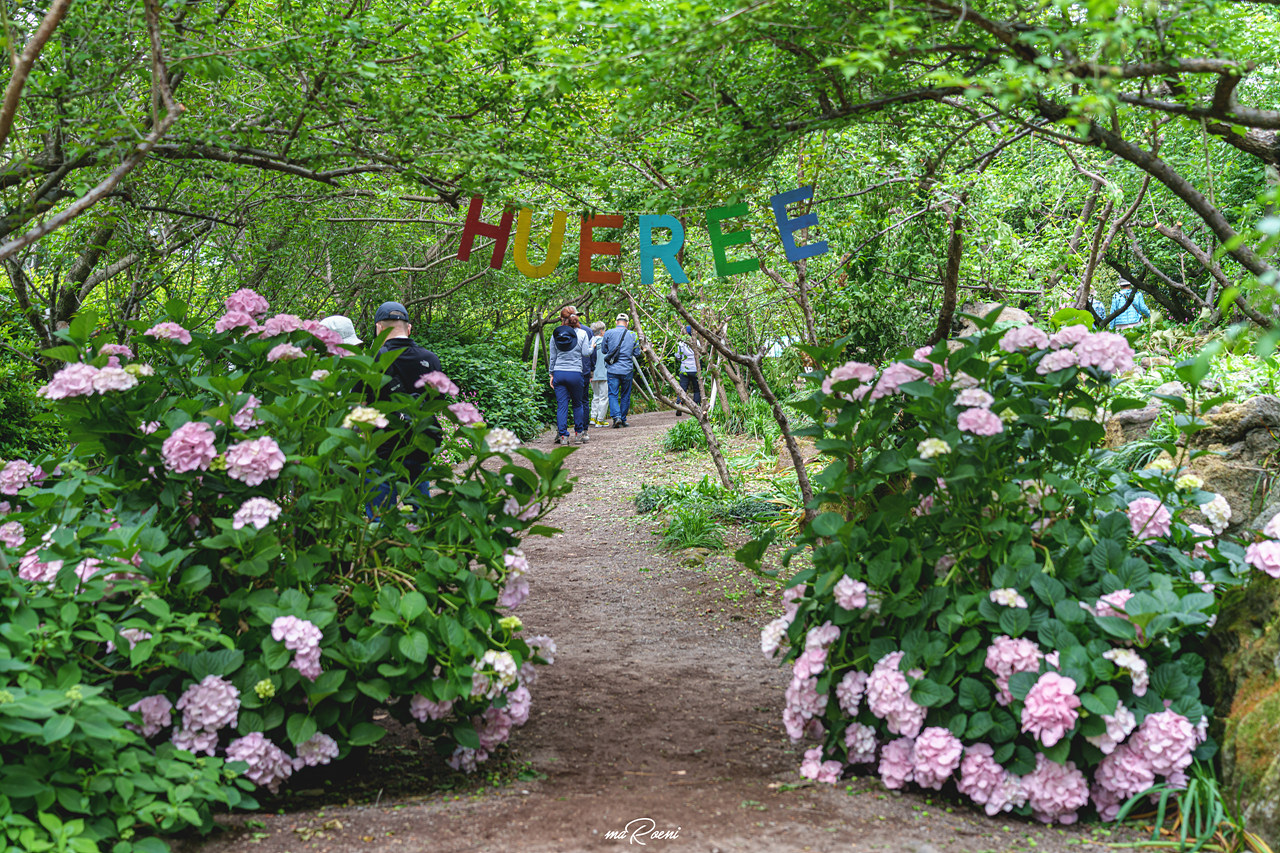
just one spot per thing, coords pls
(256, 513)
(316, 750)
(285, 352)
(1024, 337)
(254, 461)
(897, 763)
(889, 696)
(246, 419)
(1265, 555)
(979, 421)
(17, 474)
(922, 354)
(860, 741)
(1049, 711)
(246, 301)
(987, 783)
(169, 331)
(1162, 746)
(1057, 360)
(1120, 725)
(850, 690)
(936, 757)
(207, 707)
(1005, 656)
(84, 380)
(303, 639)
(268, 763)
(893, 377)
(13, 535)
(190, 447)
(156, 712)
(1106, 351)
(1149, 519)
(438, 381)
(813, 767)
(1055, 791)
(466, 413)
(851, 594)
(422, 709)
(233, 320)
(850, 371)
(514, 593)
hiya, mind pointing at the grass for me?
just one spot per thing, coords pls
(693, 527)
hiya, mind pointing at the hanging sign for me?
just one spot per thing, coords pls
(651, 253)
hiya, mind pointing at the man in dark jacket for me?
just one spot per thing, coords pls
(412, 363)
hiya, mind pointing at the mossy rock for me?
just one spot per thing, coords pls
(1244, 680)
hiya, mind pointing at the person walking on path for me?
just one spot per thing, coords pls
(1134, 314)
(618, 349)
(599, 378)
(569, 346)
(404, 376)
(689, 368)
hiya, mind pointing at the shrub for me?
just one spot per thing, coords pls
(685, 435)
(693, 527)
(26, 426)
(501, 387)
(982, 619)
(202, 567)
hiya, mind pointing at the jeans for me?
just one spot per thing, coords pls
(619, 396)
(570, 388)
(689, 384)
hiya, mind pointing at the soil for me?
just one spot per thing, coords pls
(659, 712)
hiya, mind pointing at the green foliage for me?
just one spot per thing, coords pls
(27, 428)
(685, 435)
(958, 540)
(708, 495)
(693, 527)
(150, 578)
(501, 386)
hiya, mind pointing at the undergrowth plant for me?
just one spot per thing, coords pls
(994, 604)
(226, 577)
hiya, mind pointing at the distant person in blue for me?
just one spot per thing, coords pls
(689, 368)
(569, 346)
(618, 349)
(1134, 314)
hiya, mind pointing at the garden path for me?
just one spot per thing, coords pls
(658, 706)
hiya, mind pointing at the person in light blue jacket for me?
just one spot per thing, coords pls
(618, 349)
(599, 378)
(569, 346)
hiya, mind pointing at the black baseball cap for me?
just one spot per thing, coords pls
(390, 311)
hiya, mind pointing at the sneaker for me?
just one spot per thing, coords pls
(616, 423)
(624, 423)
(583, 438)
(561, 439)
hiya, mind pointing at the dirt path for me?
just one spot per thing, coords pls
(658, 707)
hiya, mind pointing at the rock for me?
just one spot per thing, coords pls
(1243, 681)
(1132, 425)
(1170, 389)
(1147, 362)
(695, 557)
(1008, 316)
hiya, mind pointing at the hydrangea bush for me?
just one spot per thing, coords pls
(994, 607)
(205, 597)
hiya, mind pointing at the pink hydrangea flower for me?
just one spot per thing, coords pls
(113, 379)
(1149, 519)
(974, 398)
(74, 380)
(860, 741)
(1024, 337)
(889, 697)
(303, 639)
(821, 636)
(771, 636)
(17, 474)
(1057, 360)
(332, 340)
(1118, 777)
(316, 750)
(1008, 597)
(1131, 662)
(922, 354)
(1165, 741)
(897, 763)
(1069, 336)
(1106, 351)
(514, 593)
(254, 461)
(982, 779)
(493, 728)
(810, 662)
(467, 414)
(850, 371)
(937, 755)
(13, 535)
(823, 772)
(119, 350)
(256, 513)
(803, 701)
(169, 331)
(247, 301)
(850, 690)
(1272, 527)
(1005, 656)
(156, 712)
(438, 381)
(209, 705)
(281, 324)
(1264, 556)
(1055, 791)
(980, 422)
(268, 764)
(1049, 710)
(422, 709)
(285, 352)
(189, 448)
(466, 759)
(32, 568)
(245, 419)
(236, 320)
(893, 377)
(518, 703)
(1200, 550)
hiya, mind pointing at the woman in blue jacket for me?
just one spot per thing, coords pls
(570, 344)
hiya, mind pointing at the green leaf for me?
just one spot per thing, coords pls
(363, 734)
(300, 728)
(931, 694)
(414, 646)
(466, 735)
(413, 605)
(979, 724)
(827, 524)
(974, 695)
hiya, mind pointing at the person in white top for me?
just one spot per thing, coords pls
(569, 346)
